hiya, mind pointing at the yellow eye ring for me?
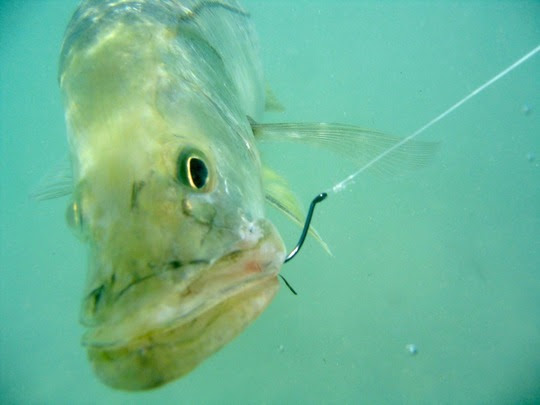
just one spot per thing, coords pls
(192, 169)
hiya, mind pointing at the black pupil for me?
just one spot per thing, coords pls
(198, 172)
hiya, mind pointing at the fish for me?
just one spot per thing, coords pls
(164, 103)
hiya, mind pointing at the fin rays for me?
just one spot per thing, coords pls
(355, 143)
(56, 183)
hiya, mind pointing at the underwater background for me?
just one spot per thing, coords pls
(445, 258)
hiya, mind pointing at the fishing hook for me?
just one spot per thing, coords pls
(320, 197)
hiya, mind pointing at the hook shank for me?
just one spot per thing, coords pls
(320, 197)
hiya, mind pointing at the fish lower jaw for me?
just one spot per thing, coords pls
(162, 355)
(183, 327)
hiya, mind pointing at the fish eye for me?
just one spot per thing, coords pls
(74, 217)
(192, 169)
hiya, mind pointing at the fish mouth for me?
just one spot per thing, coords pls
(163, 328)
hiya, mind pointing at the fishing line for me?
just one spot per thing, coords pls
(346, 181)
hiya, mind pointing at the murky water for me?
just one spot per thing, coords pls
(433, 290)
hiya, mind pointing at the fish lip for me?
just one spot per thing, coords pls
(192, 263)
(215, 283)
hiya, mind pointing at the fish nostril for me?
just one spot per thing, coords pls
(95, 298)
(175, 264)
(135, 189)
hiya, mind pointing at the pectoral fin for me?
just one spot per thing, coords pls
(279, 195)
(56, 183)
(360, 145)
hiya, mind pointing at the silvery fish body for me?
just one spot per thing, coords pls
(168, 190)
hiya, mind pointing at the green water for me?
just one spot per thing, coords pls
(446, 258)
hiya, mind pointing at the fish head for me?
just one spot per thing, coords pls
(181, 256)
